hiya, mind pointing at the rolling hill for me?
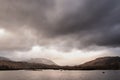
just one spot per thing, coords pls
(103, 63)
(41, 61)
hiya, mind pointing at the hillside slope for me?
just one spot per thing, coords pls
(102, 63)
(41, 61)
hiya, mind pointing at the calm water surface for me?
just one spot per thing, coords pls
(60, 75)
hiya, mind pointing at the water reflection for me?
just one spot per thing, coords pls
(60, 75)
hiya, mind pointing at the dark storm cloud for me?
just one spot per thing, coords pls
(75, 23)
(96, 24)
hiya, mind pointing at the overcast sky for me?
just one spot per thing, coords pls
(69, 32)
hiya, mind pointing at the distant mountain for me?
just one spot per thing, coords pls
(102, 63)
(41, 61)
(6, 64)
(4, 59)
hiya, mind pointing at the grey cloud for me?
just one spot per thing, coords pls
(97, 23)
(17, 17)
(78, 23)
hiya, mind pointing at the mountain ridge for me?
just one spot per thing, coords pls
(41, 61)
(102, 63)
(5, 59)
